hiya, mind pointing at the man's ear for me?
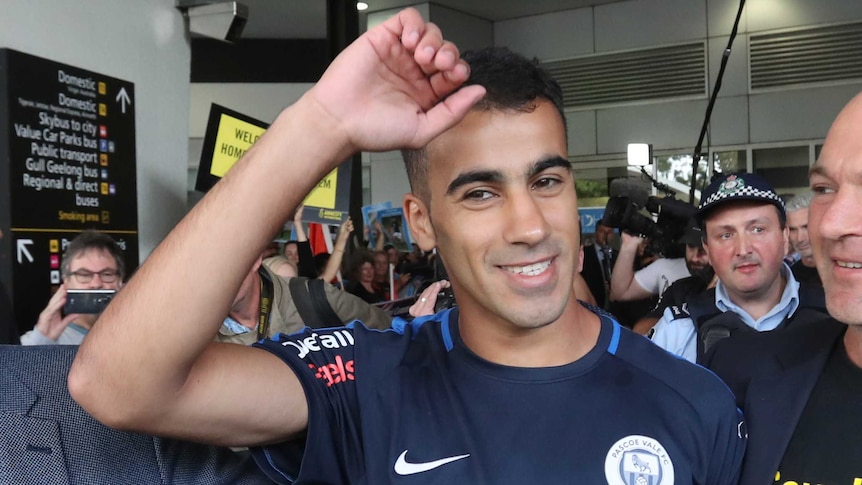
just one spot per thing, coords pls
(419, 219)
(581, 259)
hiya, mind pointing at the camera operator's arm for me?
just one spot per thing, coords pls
(334, 261)
(149, 364)
(624, 286)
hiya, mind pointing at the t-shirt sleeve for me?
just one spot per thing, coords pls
(648, 277)
(331, 450)
(675, 333)
(35, 337)
(730, 442)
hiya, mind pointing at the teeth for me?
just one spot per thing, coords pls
(529, 270)
(845, 264)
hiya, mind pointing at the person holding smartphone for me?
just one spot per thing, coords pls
(92, 261)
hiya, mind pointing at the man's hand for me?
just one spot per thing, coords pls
(383, 90)
(297, 216)
(624, 286)
(629, 242)
(345, 229)
(51, 321)
(427, 299)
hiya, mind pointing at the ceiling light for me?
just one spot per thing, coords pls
(361, 6)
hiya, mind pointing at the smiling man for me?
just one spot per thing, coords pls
(518, 367)
(745, 237)
(800, 389)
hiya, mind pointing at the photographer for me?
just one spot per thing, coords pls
(92, 261)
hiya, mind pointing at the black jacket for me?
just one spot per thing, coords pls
(772, 375)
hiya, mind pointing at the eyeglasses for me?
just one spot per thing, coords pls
(84, 276)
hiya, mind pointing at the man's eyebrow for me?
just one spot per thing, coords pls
(816, 169)
(547, 163)
(493, 176)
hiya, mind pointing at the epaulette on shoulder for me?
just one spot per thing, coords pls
(679, 311)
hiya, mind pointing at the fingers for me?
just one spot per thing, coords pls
(58, 299)
(427, 299)
(69, 319)
(431, 52)
(446, 114)
(408, 25)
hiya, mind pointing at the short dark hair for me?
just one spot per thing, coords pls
(512, 83)
(357, 259)
(91, 239)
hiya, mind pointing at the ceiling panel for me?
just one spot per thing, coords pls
(306, 19)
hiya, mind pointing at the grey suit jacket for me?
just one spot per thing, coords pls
(47, 438)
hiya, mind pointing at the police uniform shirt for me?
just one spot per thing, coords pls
(413, 405)
(676, 333)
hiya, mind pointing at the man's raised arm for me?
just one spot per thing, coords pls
(149, 363)
(624, 286)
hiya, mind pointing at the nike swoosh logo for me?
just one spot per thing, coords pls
(403, 467)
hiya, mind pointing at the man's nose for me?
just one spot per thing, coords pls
(840, 217)
(743, 243)
(527, 223)
(96, 283)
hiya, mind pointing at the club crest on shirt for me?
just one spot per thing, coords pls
(638, 460)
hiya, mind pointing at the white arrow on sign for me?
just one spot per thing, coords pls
(123, 98)
(23, 251)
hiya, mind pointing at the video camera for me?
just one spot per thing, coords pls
(672, 215)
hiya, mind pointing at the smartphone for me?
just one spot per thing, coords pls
(87, 301)
(445, 300)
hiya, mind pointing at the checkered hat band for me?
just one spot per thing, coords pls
(747, 192)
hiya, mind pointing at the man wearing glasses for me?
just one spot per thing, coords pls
(92, 261)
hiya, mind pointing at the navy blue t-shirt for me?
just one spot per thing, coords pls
(414, 405)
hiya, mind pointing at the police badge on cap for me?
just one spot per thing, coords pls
(738, 186)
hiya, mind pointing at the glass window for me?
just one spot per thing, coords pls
(786, 168)
(592, 184)
(593, 188)
(675, 172)
(366, 184)
(729, 161)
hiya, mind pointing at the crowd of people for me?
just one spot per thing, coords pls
(766, 299)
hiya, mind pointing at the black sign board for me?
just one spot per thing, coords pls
(230, 134)
(67, 163)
